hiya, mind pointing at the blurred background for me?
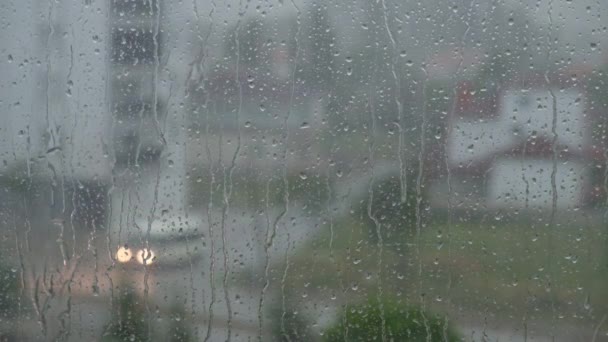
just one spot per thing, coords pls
(303, 170)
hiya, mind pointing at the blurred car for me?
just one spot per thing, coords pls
(175, 241)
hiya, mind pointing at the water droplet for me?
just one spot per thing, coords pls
(304, 125)
(303, 175)
(587, 304)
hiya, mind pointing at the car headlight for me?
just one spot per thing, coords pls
(145, 256)
(124, 254)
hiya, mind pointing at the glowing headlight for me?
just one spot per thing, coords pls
(124, 254)
(145, 256)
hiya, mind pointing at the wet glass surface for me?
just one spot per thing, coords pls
(303, 170)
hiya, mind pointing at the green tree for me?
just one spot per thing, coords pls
(288, 324)
(396, 216)
(9, 301)
(9, 291)
(128, 320)
(178, 331)
(395, 321)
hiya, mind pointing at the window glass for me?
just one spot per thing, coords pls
(303, 170)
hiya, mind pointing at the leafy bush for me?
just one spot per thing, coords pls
(401, 323)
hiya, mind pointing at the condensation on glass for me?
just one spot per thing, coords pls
(303, 170)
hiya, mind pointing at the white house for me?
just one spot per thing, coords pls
(508, 160)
